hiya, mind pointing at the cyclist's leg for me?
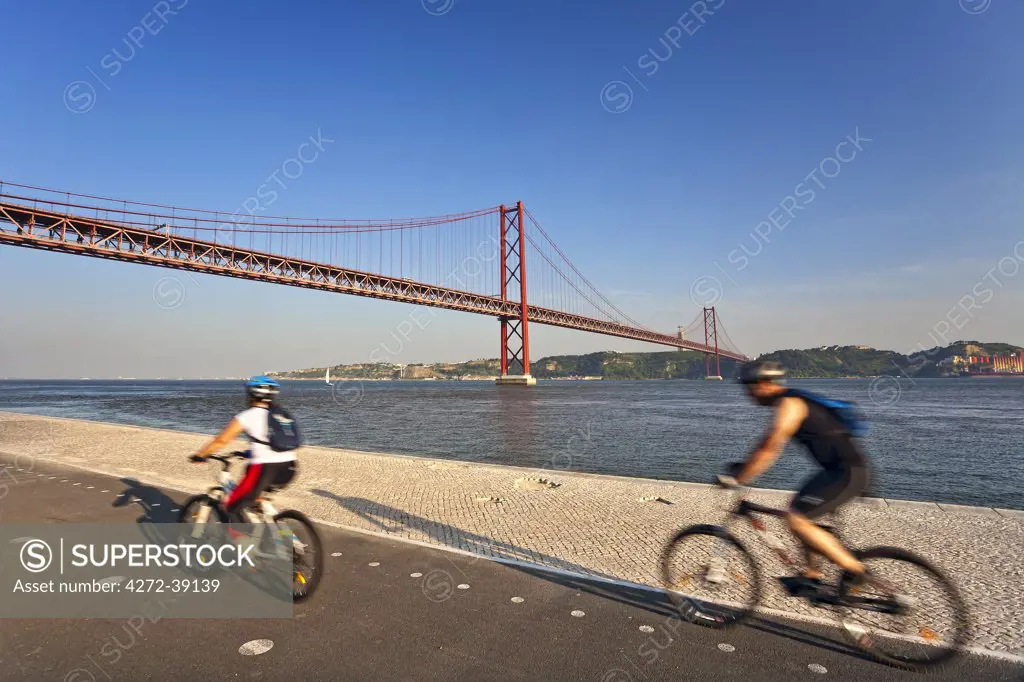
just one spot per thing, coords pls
(282, 474)
(821, 495)
(247, 490)
(811, 569)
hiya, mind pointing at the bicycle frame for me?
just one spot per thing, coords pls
(260, 519)
(746, 510)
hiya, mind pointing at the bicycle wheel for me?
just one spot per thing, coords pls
(710, 556)
(307, 554)
(916, 620)
(193, 507)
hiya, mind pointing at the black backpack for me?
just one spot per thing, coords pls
(282, 429)
(846, 412)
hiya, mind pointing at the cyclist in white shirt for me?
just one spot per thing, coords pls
(268, 468)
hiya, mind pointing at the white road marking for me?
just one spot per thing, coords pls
(727, 648)
(256, 647)
(577, 614)
(113, 580)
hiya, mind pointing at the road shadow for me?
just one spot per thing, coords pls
(658, 603)
(156, 506)
(391, 520)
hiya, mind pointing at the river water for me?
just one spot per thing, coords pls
(959, 441)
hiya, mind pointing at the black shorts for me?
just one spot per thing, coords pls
(829, 489)
(258, 479)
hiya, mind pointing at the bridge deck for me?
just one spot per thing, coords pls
(31, 227)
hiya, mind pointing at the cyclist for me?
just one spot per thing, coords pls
(269, 466)
(844, 471)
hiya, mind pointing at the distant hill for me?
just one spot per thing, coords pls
(823, 362)
(863, 361)
(611, 365)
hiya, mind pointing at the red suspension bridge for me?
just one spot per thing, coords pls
(496, 261)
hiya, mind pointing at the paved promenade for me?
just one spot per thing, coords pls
(599, 526)
(389, 610)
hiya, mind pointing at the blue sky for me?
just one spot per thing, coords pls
(496, 101)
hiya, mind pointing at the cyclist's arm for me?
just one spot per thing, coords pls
(232, 431)
(788, 416)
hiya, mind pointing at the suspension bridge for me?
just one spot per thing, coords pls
(477, 262)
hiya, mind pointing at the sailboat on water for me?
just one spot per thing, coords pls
(327, 377)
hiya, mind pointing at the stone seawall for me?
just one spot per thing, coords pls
(603, 526)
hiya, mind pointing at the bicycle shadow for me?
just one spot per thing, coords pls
(156, 505)
(393, 520)
(658, 603)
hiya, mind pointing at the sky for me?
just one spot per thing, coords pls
(823, 173)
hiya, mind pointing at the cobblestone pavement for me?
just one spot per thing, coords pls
(602, 526)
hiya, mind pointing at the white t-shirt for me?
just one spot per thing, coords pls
(255, 422)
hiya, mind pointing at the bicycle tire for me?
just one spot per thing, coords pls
(961, 615)
(222, 516)
(313, 580)
(684, 605)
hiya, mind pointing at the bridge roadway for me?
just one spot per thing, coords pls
(36, 228)
(371, 620)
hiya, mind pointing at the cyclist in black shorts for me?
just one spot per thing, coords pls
(844, 473)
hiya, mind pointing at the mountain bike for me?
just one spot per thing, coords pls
(736, 590)
(281, 540)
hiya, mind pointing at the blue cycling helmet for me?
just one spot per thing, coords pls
(262, 388)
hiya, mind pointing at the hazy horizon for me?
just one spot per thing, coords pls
(537, 358)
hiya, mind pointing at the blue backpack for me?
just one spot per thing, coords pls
(847, 413)
(283, 432)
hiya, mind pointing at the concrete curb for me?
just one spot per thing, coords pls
(1015, 514)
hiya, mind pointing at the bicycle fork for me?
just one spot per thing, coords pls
(718, 563)
(201, 518)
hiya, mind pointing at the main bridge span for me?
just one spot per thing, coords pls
(477, 262)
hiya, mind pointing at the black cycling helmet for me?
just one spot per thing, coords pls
(761, 370)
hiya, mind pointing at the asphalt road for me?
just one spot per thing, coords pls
(392, 610)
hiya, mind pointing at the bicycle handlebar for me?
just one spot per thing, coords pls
(226, 459)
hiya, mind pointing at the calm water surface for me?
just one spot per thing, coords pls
(949, 440)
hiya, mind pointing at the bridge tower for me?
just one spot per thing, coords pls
(711, 332)
(515, 331)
